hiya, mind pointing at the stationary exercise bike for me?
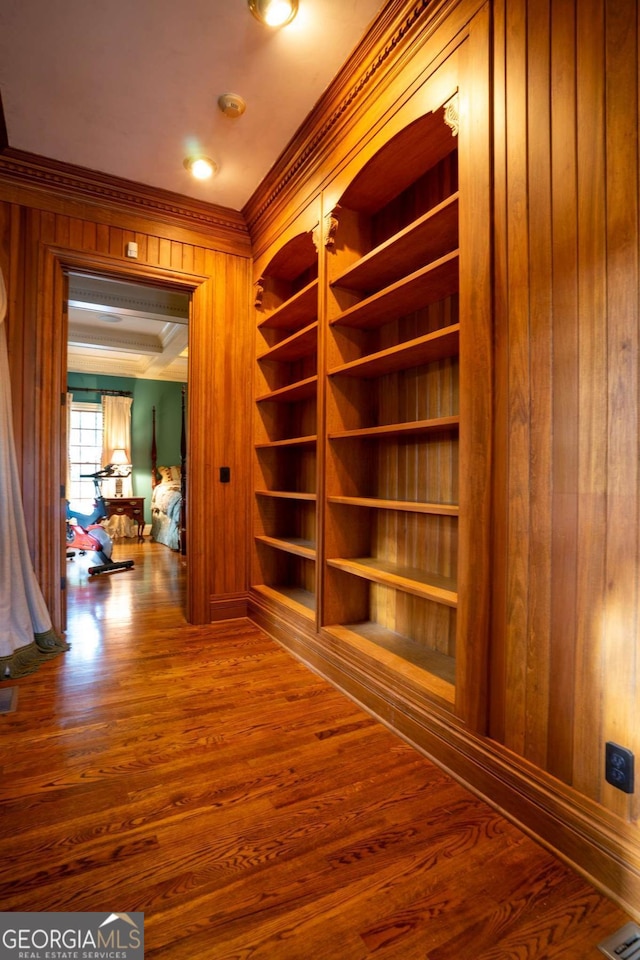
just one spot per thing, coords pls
(85, 533)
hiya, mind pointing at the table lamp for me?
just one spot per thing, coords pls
(119, 459)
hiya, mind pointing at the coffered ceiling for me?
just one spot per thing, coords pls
(127, 330)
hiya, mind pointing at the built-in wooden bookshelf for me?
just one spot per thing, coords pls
(393, 418)
(371, 395)
(286, 424)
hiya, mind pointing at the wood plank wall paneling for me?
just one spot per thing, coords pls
(35, 243)
(518, 396)
(565, 653)
(564, 380)
(500, 465)
(9, 231)
(564, 638)
(564, 645)
(540, 245)
(592, 287)
(620, 597)
(232, 411)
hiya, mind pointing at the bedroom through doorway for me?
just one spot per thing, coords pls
(127, 390)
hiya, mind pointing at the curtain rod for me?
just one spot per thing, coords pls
(111, 393)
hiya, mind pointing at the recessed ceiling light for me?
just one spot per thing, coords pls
(110, 318)
(201, 167)
(274, 13)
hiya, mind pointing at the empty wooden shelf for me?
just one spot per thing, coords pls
(283, 566)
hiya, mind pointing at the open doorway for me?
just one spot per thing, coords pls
(127, 350)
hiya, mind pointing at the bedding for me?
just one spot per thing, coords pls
(166, 508)
(169, 492)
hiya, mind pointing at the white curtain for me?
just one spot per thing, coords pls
(67, 479)
(116, 435)
(26, 633)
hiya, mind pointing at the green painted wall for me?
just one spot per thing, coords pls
(167, 399)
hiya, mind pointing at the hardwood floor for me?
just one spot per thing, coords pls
(201, 775)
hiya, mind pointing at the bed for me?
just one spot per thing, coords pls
(168, 495)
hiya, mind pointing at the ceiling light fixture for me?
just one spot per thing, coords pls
(201, 167)
(274, 13)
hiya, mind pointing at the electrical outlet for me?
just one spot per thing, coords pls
(623, 944)
(619, 767)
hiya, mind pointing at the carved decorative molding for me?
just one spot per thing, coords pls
(158, 302)
(132, 342)
(359, 88)
(259, 286)
(77, 183)
(452, 114)
(316, 238)
(331, 223)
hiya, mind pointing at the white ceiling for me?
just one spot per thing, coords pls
(127, 330)
(130, 88)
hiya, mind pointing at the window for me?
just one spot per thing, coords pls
(85, 450)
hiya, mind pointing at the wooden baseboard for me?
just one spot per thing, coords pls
(230, 607)
(282, 623)
(579, 831)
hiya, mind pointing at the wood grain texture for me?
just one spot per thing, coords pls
(476, 379)
(593, 386)
(516, 625)
(567, 497)
(564, 536)
(620, 599)
(201, 775)
(40, 182)
(564, 396)
(564, 542)
(39, 247)
(284, 530)
(540, 260)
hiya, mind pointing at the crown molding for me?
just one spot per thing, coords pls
(393, 33)
(73, 184)
(80, 336)
(396, 31)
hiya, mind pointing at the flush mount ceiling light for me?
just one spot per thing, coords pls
(201, 167)
(274, 13)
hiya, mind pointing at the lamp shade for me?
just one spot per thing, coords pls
(119, 457)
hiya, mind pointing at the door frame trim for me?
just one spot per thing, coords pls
(56, 263)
